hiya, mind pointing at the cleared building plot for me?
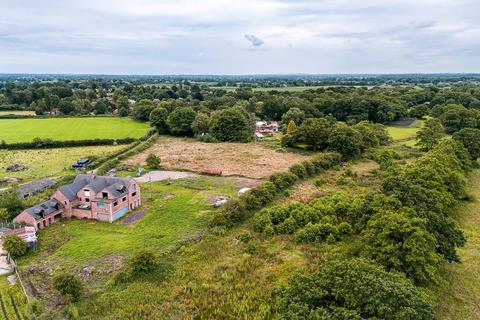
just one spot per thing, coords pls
(251, 160)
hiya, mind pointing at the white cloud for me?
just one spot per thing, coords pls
(208, 36)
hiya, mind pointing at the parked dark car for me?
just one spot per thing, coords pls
(81, 163)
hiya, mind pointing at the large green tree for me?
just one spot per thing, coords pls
(353, 289)
(231, 124)
(470, 138)
(180, 121)
(400, 241)
(158, 119)
(430, 134)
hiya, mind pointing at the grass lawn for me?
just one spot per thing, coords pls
(12, 300)
(46, 162)
(25, 130)
(173, 208)
(17, 112)
(460, 298)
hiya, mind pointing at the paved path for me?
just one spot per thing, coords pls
(164, 175)
(5, 267)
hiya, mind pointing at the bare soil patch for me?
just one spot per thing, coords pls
(251, 160)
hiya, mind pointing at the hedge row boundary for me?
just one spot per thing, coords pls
(237, 210)
(38, 143)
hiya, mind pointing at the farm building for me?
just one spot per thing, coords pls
(34, 187)
(88, 196)
(266, 127)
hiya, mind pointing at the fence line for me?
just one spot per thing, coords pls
(20, 280)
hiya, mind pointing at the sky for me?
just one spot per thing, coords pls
(239, 36)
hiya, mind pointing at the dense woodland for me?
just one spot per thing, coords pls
(400, 236)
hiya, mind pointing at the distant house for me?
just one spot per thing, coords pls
(29, 189)
(266, 127)
(88, 196)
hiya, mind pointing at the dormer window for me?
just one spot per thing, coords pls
(105, 195)
(87, 193)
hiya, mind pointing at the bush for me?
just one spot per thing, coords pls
(299, 170)
(345, 228)
(250, 248)
(69, 286)
(353, 289)
(341, 181)
(320, 182)
(143, 261)
(153, 161)
(245, 236)
(283, 181)
(316, 233)
(15, 246)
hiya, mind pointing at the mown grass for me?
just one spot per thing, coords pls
(46, 162)
(25, 130)
(460, 297)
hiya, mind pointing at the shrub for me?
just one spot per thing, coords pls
(288, 226)
(250, 248)
(245, 236)
(299, 170)
(143, 261)
(353, 289)
(320, 182)
(341, 181)
(345, 228)
(15, 246)
(269, 231)
(310, 168)
(69, 286)
(283, 181)
(316, 232)
(153, 161)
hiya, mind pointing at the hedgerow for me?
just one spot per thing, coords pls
(237, 210)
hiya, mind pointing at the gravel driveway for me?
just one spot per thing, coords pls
(164, 175)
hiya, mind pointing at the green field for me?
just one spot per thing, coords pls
(46, 162)
(25, 130)
(17, 112)
(405, 135)
(460, 298)
(12, 300)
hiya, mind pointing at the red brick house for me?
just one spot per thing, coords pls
(88, 196)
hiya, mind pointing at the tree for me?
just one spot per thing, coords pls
(470, 138)
(3, 214)
(121, 104)
(143, 261)
(15, 245)
(158, 119)
(69, 286)
(294, 114)
(231, 124)
(12, 202)
(345, 140)
(100, 107)
(142, 110)
(430, 134)
(180, 121)
(400, 241)
(153, 161)
(292, 127)
(314, 132)
(201, 124)
(353, 289)
(368, 132)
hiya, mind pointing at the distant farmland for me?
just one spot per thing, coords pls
(25, 130)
